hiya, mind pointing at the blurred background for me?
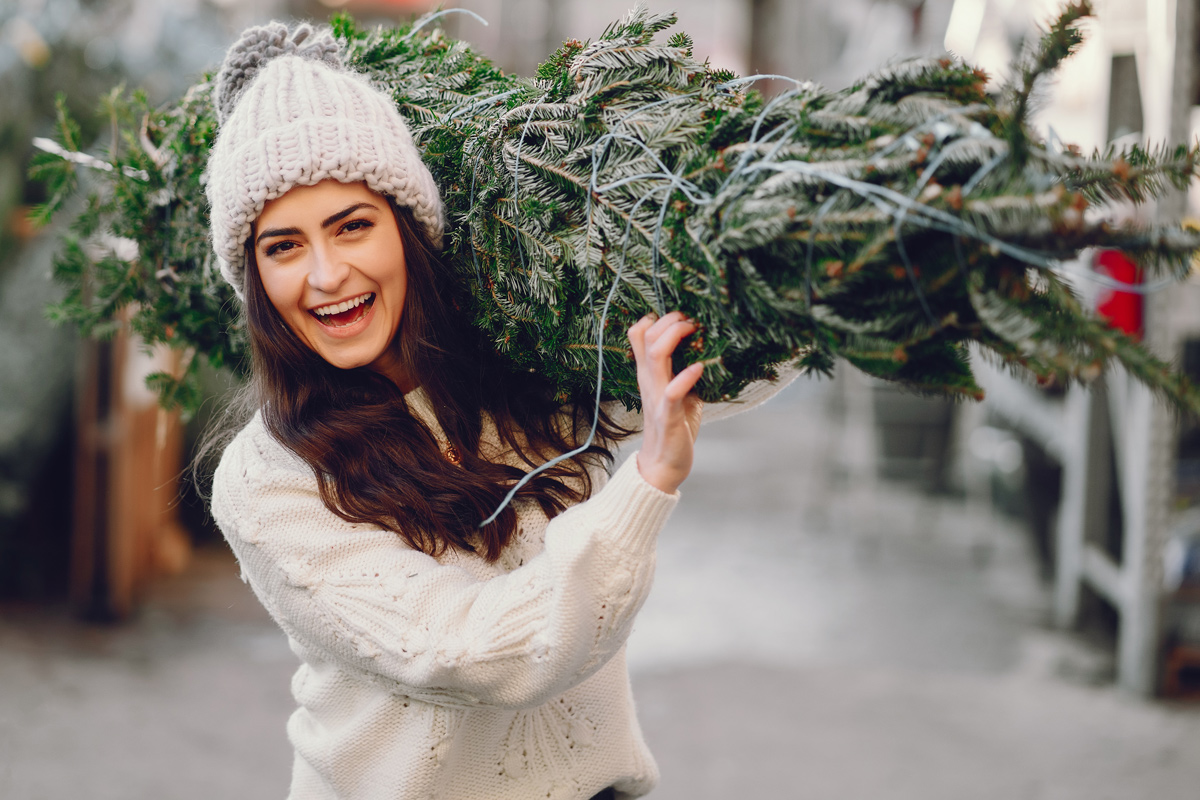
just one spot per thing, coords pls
(863, 594)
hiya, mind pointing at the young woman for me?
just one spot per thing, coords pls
(439, 659)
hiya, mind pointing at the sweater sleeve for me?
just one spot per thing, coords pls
(359, 597)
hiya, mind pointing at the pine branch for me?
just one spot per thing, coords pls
(1062, 39)
(890, 223)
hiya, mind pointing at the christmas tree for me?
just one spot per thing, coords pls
(891, 223)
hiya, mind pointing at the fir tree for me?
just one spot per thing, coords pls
(891, 223)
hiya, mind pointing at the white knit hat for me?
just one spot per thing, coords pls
(291, 115)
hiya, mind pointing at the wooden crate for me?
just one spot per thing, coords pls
(129, 459)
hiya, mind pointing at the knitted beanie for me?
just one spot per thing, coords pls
(290, 114)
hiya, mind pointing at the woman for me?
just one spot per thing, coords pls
(440, 659)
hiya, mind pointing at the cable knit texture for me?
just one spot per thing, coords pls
(452, 677)
(291, 115)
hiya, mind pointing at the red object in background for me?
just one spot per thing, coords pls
(1122, 309)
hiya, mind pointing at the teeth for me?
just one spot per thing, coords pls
(344, 306)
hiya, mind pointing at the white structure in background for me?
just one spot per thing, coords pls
(1131, 81)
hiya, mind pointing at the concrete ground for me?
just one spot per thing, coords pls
(808, 636)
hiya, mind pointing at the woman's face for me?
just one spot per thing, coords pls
(332, 263)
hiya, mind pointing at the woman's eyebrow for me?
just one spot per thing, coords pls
(341, 215)
(277, 232)
(345, 212)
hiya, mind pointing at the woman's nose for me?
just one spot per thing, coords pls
(327, 272)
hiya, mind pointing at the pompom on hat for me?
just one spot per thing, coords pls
(290, 114)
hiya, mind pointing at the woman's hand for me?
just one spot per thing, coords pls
(670, 410)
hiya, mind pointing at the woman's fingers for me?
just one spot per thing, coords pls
(637, 337)
(670, 408)
(661, 343)
(654, 341)
(683, 383)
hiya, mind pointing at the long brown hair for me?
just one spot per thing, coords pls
(377, 463)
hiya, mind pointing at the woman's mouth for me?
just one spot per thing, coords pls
(339, 315)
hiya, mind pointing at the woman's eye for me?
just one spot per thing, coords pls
(355, 225)
(280, 247)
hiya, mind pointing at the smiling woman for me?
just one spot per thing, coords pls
(332, 264)
(441, 657)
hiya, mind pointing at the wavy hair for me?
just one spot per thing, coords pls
(378, 463)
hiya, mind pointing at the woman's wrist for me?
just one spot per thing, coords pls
(658, 478)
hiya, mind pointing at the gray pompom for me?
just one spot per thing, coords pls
(256, 47)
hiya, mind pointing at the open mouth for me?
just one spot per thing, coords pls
(339, 315)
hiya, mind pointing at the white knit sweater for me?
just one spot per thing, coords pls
(452, 678)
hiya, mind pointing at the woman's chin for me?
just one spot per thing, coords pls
(344, 355)
(346, 362)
